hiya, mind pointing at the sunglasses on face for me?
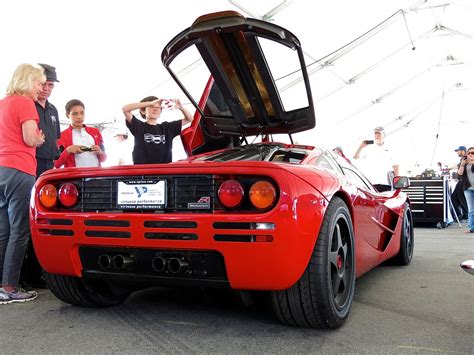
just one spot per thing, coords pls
(470, 153)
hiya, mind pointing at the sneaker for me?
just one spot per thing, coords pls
(4, 298)
(18, 295)
(469, 231)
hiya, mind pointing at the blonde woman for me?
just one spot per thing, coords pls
(19, 137)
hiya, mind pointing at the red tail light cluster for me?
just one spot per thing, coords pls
(262, 194)
(67, 196)
(231, 193)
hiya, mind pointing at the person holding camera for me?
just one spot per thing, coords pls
(80, 145)
(153, 142)
(376, 161)
(466, 174)
(457, 196)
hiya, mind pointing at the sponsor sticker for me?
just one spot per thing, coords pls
(141, 194)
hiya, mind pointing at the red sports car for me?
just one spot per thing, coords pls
(297, 221)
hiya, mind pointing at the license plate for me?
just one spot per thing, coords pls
(140, 194)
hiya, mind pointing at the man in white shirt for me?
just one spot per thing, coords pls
(376, 160)
(122, 150)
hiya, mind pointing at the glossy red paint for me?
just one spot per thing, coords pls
(192, 136)
(270, 265)
(276, 264)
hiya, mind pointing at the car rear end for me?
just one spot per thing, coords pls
(239, 225)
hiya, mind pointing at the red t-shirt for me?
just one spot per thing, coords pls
(14, 152)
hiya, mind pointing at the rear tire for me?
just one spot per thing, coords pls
(407, 238)
(76, 291)
(322, 297)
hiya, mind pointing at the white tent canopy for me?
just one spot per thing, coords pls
(364, 72)
(410, 71)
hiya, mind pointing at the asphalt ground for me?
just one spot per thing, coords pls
(426, 307)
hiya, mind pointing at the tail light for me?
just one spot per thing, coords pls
(68, 194)
(262, 194)
(48, 195)
(231, 193)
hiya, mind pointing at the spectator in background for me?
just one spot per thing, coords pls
(19, 137)
(121, 154)
(377, 161)
(338, 151)
(31, 272)
(153, 140)
(466, 174)
(80, 145)
(457, 197)
(49, 123)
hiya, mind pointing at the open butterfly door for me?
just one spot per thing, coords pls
(245, 77)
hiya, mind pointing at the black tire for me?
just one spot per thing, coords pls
(322, 297)
(76, 291)
(407, 238)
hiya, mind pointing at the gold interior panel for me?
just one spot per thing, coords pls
(255, 73)
(229, 69)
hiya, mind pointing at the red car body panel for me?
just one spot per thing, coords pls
(274, 265)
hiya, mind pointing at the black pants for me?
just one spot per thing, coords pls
(459, 200)
(43, 165)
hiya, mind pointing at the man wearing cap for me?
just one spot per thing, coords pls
(49, 122)
(457, 196)
(376, 160)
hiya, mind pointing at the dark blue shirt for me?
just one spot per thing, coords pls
(49, 124)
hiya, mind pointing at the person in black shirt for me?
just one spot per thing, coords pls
(49, 123)
(153, 140)
(457, 196)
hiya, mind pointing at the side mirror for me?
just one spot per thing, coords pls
(401, 182)
(468, 266)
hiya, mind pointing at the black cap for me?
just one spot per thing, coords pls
(50, 72)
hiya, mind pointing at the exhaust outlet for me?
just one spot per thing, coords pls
(178, 265)
(158, 264)
(105, 261)
(122, 262)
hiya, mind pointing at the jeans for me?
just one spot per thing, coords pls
(15, 192)
(470, 205)
(459, 200)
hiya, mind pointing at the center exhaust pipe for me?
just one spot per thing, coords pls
(178, 265)
(105, 261)
(158, 264)
(122, 262)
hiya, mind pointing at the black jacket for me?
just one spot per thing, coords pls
(465, 180)
(49, 124)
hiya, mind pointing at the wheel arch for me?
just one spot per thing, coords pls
(345, 197)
